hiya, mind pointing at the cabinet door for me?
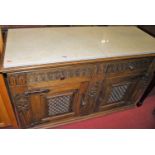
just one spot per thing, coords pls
(118, 91)
(48, 104)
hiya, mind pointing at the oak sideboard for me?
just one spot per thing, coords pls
(60, 75)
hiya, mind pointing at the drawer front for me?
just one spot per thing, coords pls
(128, 66)
(51, 74)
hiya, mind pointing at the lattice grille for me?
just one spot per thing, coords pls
(59, 104)
(118, 93)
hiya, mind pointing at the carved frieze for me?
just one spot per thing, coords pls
(49, 75)
(129, 65)
(16, 79)
(77, 71)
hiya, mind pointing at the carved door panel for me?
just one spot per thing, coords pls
(50, 104)
(118, 91)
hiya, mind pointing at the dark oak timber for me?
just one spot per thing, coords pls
(55, 94)
(45, 96)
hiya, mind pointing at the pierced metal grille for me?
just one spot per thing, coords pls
(59, 104)
(118, 93)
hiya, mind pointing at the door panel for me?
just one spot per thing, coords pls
(118, 91)
(42, 105)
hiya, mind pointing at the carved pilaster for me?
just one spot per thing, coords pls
(94, 89)
(89, 100)
(22, 102)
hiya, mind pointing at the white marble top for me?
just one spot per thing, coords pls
(33, 46)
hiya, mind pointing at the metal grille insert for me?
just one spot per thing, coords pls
(118, 93)
(59, 104)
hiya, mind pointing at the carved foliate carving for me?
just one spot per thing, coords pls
(94, 89)
(48, 75)
(130, 65)
(22, 102)
(64, 73)
(89, 99)
(92, 93)
(12, 81)
(17, 79)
